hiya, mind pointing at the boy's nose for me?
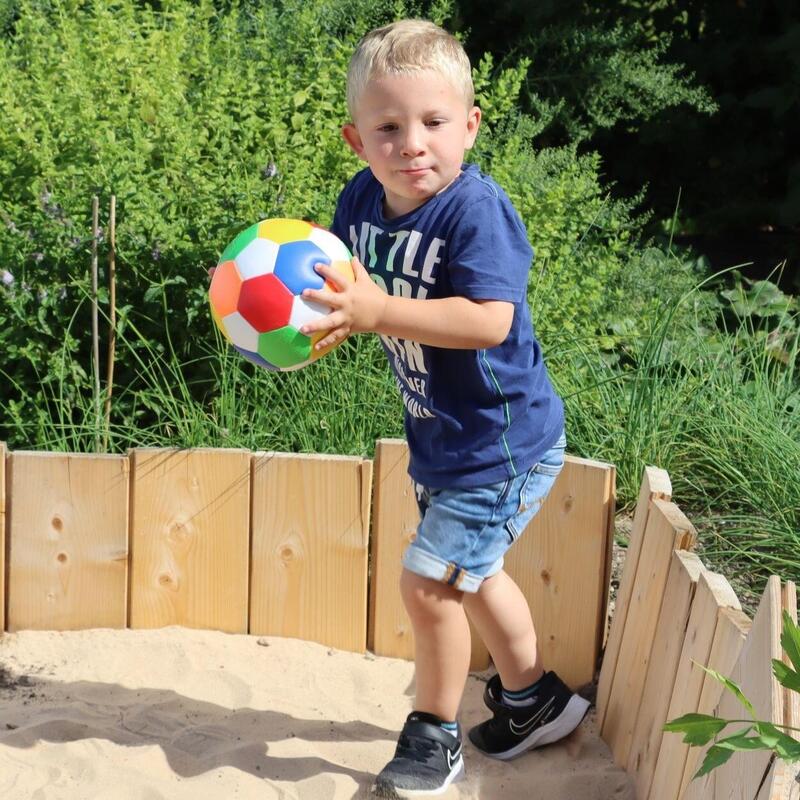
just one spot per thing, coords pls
(412, 143)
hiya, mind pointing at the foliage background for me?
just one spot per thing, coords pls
(203, 116)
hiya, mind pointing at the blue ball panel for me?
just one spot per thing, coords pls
(294, 266)
(256, 359)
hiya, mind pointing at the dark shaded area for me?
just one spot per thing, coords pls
(736, 170)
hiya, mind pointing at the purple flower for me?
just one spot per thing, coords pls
(7, 278)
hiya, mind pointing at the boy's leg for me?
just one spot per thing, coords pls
(543, 709)
(502, 617)
(441, 643)
(428, 754)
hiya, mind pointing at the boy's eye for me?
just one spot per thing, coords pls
(388, 128)
(434, 123)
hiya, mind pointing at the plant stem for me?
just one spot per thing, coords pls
(95, 336)
(112, 320)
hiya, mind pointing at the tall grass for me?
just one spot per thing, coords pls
(720, 411)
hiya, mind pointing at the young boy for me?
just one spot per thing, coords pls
(441, 275)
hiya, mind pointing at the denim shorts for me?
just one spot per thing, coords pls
(464, 533)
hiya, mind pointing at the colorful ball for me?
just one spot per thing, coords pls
(256, 292)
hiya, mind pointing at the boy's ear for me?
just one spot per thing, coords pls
(473, 123)
(350, 135)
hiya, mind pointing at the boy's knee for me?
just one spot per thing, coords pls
(426, 598)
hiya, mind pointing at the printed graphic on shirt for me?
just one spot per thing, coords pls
(397, 263)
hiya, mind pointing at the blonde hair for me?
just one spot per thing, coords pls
(406, 47)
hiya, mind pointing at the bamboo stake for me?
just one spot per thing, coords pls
(112, 323)
(95, 336)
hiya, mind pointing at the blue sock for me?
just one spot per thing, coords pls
(522, 697)
(450, 727)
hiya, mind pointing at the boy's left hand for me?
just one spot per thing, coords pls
(355, 307)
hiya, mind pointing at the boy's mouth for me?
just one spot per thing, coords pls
(415, 171)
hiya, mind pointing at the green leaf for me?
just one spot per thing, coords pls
(741, 741)
(784, 745)
(732, 687)
(152, 293)
(698, 729)
(715, 757)
(299, 98)
(786, 675)
(790, 640)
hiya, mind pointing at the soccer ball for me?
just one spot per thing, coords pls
(256, 292)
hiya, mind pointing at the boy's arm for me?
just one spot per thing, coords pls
(453, 322)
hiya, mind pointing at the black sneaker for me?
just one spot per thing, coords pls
(555, 712)
(427, 760)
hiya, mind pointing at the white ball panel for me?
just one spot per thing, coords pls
(304, 311)
(258, 258)
(331, 245)
(242, 333)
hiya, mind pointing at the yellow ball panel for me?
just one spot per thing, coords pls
(315, 354)
(345, 269)
(281, 231)
(219, 324)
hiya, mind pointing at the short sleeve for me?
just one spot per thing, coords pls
(489, 253)
(339, 226)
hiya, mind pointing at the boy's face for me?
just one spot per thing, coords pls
(412, 130)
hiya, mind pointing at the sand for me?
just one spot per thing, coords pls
(184, 714)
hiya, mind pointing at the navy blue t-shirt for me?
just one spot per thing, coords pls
(472, 417)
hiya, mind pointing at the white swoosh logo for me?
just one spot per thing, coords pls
(530, 724)
(453, 757)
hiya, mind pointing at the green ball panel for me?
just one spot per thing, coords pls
(284, 347)
(239, 243)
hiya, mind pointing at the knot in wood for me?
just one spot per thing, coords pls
(287, 554)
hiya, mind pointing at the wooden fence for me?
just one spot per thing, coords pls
(303, 546)
(309, 546)
(672, 615)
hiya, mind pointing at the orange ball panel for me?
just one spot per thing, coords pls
(345, 269)
(225, 288)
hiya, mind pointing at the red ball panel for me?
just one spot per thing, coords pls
(265, 303)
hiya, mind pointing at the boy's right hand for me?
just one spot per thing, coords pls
(211, 271)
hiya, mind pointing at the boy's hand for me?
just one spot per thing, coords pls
(355, 307)
(211, 271)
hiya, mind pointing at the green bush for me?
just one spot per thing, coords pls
(201, 120)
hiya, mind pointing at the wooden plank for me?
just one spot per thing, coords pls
(713, 593)
(3, 452)
(733, 626)
(190, 524)
(655, 485)
(560, 564)
(791, 700)
(673, 617)
(783, 779)
(609, 559)
(667, 529)
(741, 777)
(67, 541)
(310, 548)
(395, 520)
